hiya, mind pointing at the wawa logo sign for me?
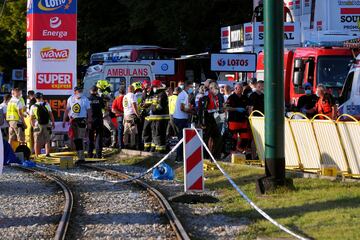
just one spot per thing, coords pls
(53, 5)
(53, 54)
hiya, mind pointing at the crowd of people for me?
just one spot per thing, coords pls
(149, 116)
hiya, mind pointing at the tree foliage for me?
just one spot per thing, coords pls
(13, 35)
(189, 25)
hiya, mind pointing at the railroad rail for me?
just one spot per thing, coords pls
(173, 219)
(69, 200)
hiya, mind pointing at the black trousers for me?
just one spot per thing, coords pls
(96, 140)
(147, 134)
(159, 137)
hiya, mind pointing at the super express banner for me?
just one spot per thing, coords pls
(51, 46)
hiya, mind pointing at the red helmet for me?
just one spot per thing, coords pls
(145, 83)
(156, 83)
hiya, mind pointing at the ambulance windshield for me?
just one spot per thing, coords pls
(332, 70)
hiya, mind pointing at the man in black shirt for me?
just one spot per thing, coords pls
(96, 131)
(307, 101)
(256, 99)
(238, 123)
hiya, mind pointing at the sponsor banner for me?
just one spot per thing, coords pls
(344, 16)
(225, 37)
(58, 107)
(51, 27)
(54, 81)
(241, 62)
(161, 67)
(51, 66)
(52, 6)
(291, 34)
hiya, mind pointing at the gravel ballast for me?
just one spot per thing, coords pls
(201, 221)
(114, 211)
(31, 206)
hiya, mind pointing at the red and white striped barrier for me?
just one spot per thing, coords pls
(193, 155)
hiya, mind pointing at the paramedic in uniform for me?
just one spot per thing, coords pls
(15, 117)
(41, 114)
(79, 112)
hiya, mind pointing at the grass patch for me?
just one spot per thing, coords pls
(317, 208)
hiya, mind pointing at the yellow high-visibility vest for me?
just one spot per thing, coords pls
(172, 104)
(12, 113)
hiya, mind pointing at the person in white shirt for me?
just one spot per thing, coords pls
(5, 125)
(78, 110)
(41, 115)
(131, 117)
(183, 110)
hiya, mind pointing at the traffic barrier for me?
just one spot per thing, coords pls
(331, 150)
(193, 164)
(350, 136)
(306, 143)
(292, 160)
(258, 129)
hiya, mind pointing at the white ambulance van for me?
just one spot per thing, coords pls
(350, 96)
(118, 74)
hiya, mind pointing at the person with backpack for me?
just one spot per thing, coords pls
(41, 115)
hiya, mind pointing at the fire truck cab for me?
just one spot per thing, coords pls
(316, 65)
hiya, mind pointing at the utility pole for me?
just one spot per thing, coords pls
(274, 97)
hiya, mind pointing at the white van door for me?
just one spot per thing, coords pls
(351, 94)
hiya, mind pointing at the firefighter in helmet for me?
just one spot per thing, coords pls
(159, 116)
(145, 112)
(138, 91)
(104, 88)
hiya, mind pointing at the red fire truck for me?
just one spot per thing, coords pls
(316, 65)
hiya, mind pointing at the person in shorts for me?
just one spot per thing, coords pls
(15, 118)
(41, 115)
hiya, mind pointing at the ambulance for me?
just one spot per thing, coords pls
(350, 95)
(118, 74)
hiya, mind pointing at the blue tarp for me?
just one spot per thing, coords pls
(9, 155)
(163, 172)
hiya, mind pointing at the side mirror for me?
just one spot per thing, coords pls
(299, 63)
(298, 78)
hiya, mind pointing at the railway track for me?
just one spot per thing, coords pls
(69, 200)
(175, 223)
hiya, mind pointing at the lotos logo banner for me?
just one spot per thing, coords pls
(52, 54)
(52, 6)
(54, 81)
(240, 62)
